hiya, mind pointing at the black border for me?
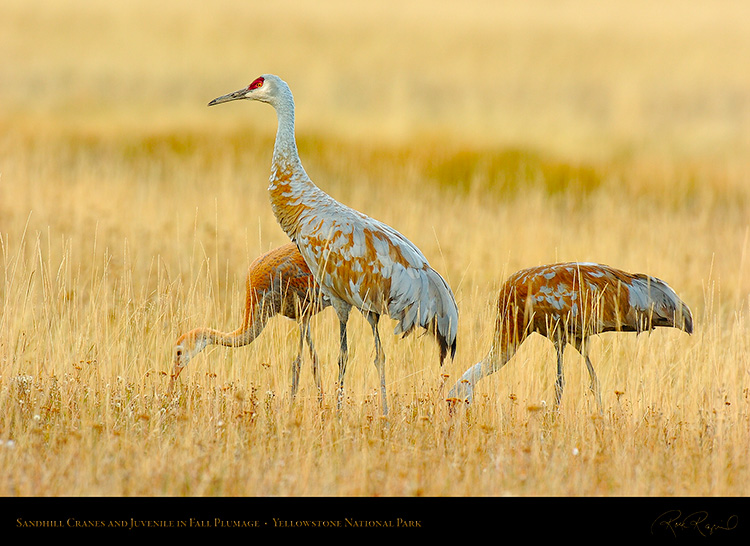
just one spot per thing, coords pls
(670, 520)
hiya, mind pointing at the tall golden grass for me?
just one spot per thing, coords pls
(495, 136)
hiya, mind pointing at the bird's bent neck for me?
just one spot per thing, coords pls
(244, 335)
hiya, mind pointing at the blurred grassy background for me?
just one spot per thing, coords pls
(575, 77)
(495, 135)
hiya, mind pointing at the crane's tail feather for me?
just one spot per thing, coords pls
(429, 303)
(658, 305)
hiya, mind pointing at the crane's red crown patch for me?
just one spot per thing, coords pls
(256, 84)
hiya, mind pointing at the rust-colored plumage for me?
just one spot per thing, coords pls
(357, 261)
(278, 283)
(567, 303)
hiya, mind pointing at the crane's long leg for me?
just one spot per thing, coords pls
(314, 357)
(582, 348)
(373, 319)
(343, 313)
(304, 335)
(560, 381)
(297, 362)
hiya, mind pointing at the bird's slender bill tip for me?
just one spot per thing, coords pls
(218, 100)
(229, 97)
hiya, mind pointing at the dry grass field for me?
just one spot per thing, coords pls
(494, 135)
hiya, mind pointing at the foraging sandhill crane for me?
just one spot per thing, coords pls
(567, 303)
(357, 261)
(277, 283)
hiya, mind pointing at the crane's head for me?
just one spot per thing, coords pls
(266, 88)
(186, 347)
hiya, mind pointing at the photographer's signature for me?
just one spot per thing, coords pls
(674, 522)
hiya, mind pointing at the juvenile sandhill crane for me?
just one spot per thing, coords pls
(358, 261)
(567, 303)
(278, 282)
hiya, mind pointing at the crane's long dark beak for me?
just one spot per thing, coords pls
(231, 96)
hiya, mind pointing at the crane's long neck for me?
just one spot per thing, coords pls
(257, 313)
(291, 190)
(239, 338)
(285, 155)
(500, 353)
(496, 358)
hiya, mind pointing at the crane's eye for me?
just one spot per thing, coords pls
(256, 84)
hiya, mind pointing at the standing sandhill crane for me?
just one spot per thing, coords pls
(278, 282)
(567, 303)
(358, 261)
